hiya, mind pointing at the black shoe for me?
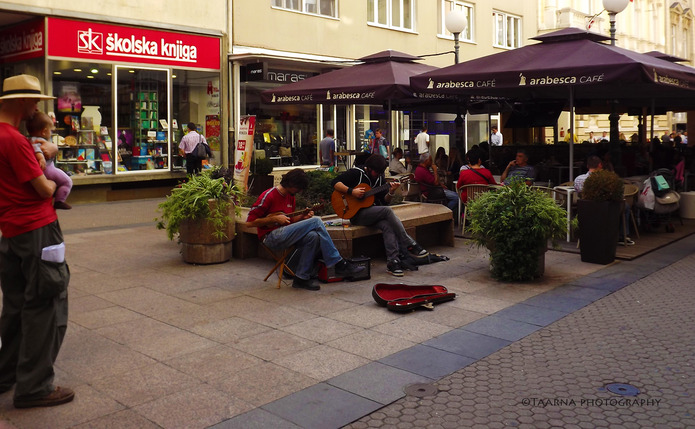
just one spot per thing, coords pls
(417, 251)
(394, 268)
(347, 269)
(305, 284)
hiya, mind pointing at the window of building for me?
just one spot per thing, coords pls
(449, 5)
(507, 30)
(84, 117)
(397, 14)
(315, 7)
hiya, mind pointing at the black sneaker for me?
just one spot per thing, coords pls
(305, 284)
(394, 268)
(417, 251)
(347, 270)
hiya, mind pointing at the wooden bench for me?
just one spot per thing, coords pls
(429, 224)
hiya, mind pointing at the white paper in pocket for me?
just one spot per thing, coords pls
(54, 253)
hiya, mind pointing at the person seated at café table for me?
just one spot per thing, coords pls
(593, 163)
(396, 167)
(430, 178)
(475, 174)
(519, 167)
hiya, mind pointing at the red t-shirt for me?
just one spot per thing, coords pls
(21, 208)
(270, 201)
(423, 175)
(470, 177)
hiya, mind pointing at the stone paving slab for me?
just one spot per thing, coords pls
(640, 336)
(137, 310)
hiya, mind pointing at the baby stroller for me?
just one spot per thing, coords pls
(658, 199)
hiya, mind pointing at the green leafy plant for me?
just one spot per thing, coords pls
(515, 222)
(190, 200)
(262, 166)
(318, 192)
(603, 185)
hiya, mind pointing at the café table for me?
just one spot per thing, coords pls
(346, 157)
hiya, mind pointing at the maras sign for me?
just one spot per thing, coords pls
(95, 41)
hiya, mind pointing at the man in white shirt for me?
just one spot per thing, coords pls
(496, 137)
(423, 141)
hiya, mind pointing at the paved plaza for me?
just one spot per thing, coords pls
(153, 342)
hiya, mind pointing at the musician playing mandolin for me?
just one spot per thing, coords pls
(280, 227)
(356, 182)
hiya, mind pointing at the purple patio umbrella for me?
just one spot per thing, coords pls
(380, 78)
(573, 66)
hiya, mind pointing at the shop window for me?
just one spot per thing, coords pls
(142, 119)
(314, 7)
(507, 30)
(83, 114)
(288, 134)
(396, 14)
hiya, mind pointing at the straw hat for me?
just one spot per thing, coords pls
(22, 86)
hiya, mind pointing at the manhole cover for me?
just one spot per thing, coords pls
(421, 390)
(622, 389)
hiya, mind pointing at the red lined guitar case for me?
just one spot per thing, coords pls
(402, 298)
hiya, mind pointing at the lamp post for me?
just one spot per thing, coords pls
(614, 7)
(456, 21)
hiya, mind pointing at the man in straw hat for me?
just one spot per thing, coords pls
(33, 273)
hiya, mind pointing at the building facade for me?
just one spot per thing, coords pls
(125, 87)
(644, 26)
(314, 36)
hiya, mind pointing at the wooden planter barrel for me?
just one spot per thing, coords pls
(199, 243)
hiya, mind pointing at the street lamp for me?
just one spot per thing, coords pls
(614, 7)
(456, 22)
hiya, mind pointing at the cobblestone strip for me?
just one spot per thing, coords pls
(643, 336)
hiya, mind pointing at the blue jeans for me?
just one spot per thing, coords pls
(452, 200)
(310, 237)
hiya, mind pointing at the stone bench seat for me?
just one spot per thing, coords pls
(429, 224)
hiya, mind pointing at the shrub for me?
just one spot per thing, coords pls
(319, 191)
(603, 185)
(515, 222)
(189, 200)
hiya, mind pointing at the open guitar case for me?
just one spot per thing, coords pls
(402, 298)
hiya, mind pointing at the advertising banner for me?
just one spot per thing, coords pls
(94, 41)
(244, 150)
(212, 131)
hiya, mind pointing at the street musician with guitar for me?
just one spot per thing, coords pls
(280, 226)
(362, 195)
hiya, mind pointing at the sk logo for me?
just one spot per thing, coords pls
(522, 79)
(89, 42)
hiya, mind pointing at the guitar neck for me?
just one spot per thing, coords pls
(377, 190)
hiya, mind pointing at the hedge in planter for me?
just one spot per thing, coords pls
(599, 211)
(205, 203)
(515, 222)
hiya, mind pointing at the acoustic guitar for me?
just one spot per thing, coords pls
(346, 206)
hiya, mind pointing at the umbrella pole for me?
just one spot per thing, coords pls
(571, 148)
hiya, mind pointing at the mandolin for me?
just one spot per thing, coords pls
(346, 206)
(299, 212)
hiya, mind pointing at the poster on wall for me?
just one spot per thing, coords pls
(244, 150)
(69, 99)
(212, 131)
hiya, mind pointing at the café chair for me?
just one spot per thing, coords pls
(472, 192)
